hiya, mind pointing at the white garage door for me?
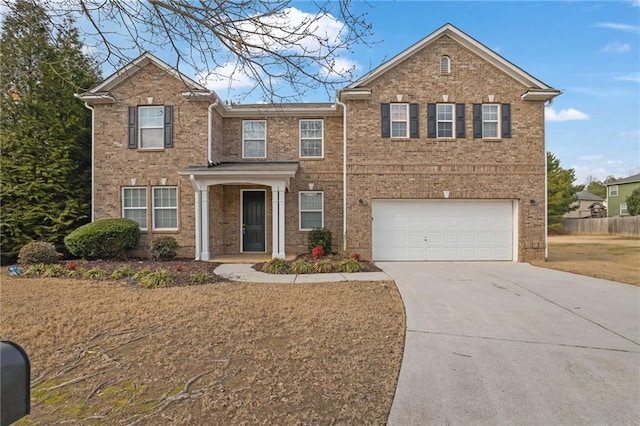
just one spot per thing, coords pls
(443, 229)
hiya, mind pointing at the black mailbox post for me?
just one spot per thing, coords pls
(15, 377)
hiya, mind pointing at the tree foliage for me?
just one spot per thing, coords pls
(268, 45)
(45, 133)
(599, 188)
(561, 193)
(633, 202)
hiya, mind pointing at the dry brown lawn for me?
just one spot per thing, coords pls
(610, 257)
(110, 353)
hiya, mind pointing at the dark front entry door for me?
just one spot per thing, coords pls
(253, 221)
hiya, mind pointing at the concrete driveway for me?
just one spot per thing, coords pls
(509, 343)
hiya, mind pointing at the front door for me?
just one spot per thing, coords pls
(253, 221)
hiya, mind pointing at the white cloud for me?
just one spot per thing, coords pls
(583, 172)
(568, 114)
(591, 157)
(338, 67)
(635, 3)
(635, 77)
(621, 27)
(616, 48)
(225, 77)
(633, 134)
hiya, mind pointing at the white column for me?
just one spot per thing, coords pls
(204, 195)
(275, 223)
(281, 227)
(198, 223)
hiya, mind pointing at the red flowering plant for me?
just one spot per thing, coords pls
(317, 252)
(71, 265)
(356, 256)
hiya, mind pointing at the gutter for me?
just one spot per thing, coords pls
(93, 162)
(344, 171)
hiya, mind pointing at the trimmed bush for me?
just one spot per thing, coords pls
(275, 266)
(104, 239)
(37, 252)
(301, 267)
(320, 237)
(164, 249)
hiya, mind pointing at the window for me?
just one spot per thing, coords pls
(311, 138)
(444, 114)
(491, 121)
(399, 120)
(150, 127)
(445, 65)
(311, 210)
(254, 139)
(165, 208)
(134, 205)
(623, 209)
(613, 191)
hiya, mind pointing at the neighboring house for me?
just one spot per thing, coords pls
(617, 193)
(438, 154)
(587, 205)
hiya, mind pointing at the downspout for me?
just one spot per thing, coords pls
(93, 162)
(210, 131)
(344, 171)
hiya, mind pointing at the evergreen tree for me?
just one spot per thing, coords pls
(561, 193)
(633, 202)
(45, 136)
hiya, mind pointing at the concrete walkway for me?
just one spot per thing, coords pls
(509, 343)
(246, 273)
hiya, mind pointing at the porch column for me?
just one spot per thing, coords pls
(204, 216)
(198, 209)
(277, 222)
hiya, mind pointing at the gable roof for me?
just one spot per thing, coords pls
(630, 179)
(587, 196)
(537, 90)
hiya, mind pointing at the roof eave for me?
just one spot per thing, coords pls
(96, 98)
(540, 95)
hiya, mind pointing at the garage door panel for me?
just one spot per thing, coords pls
(453, 229)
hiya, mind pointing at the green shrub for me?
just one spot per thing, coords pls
(301, 267)
(199, 278)
(94, 274)
(324, 266)
(164, 248)
(36, 270)
(140, 275)
(121, 273)
(157, 279)
(53, 271)
(350, 265)
(103, 239)
(276, 266)
(320, 237)
(37, 252)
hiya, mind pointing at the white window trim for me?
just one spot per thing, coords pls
(300, 211)
(453, 122)
(146, 204)
(448, 67)
(391, 121)
(498, 120)
(153, 208)
(265, 137)
(300, 139)
(624, 211)
(613, 191)
(139, 129)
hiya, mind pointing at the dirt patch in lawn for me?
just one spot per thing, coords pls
(610, 257)
(225, 353)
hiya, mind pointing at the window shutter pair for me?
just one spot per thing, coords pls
(432, 131)
(168, 127)
(414, 122)
(505, 116)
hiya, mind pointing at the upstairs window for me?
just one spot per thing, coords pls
(254, 139)
(445, 121)
(491, 121)
(445, 65)
(613, 191)
(400, 120)
(150, 127)
(311, 138)
(134, 205)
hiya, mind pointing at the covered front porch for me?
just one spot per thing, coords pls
(242, 226)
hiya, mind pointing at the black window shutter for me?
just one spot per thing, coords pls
(168, 126)
(431, 120)
(477, 120)
(460, 130)
(414, 126)
(506, 120)
(385, 112)
(133, 128)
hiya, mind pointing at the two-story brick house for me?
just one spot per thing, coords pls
(438, 154)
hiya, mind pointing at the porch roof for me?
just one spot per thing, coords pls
(268, 173)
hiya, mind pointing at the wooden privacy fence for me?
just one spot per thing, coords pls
(628, 225)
